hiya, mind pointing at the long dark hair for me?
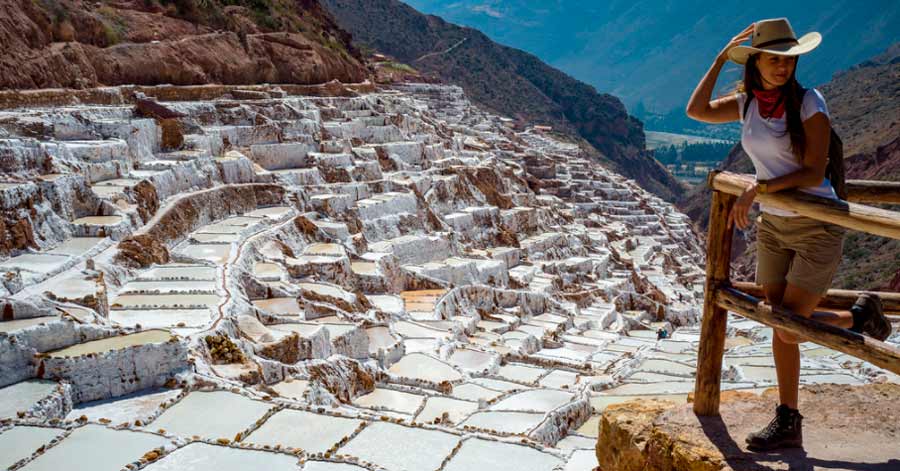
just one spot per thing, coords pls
(793, 96)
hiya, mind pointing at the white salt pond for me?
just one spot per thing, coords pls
(390, 399)
(293, 389)
(21, 441)
(136, 406)
(76, 246)
(205, 457)
(178, 272)
(216, 253)
(472, 360)
(180, 300)
(582, 460)
(479, 454)
(200, 413)
(420, 366)
(157, 318)
(282, 306)
(96, 448)
(34, 262)
(505, 421)
(399, 448)
(455, 409)
(113, 343)
(98, 220)
(475, 392)
(543, 400)
(179, 286)
(18, 324)
(521, 373)
(314, 433)
(326, 466)
(274, 212)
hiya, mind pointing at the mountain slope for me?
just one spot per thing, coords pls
(508, 81)
(623, 46)
(77, 44)
(865, 106)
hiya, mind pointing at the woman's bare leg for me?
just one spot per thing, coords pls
(785, 346)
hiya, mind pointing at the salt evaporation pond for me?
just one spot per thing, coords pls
(21, 441)
(205, 457)
(479, 454)
(113, 343)
(455, 409)
(399, 448)
(419, 366)
(96, 448)
(505, 421)
(314, 433)
(390, 399)
(200, 413)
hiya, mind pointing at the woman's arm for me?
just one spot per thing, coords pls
(722, 110)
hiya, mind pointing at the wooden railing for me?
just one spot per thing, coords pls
(721, 295)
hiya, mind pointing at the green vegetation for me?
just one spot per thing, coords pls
(705, 152)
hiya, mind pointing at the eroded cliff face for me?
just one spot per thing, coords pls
(77, 44)
(381, 278)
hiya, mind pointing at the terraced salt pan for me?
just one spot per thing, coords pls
(326, 466)
(437, 406)
(76, 246)
(96, 448)
(521, 373)
(409, 329)
(390, 399)
(190, 272)
(20, 442)
(179, 286)
(17, 324)
(591, 427)
(582, 460)
(205, 457)
(380, 337)
(150, 301)
(475, 392)
(543, 400)
(305, 329)
(282, 306)
(472, 360)
(98, 220)
(34, 262)
(505, 421)
(160, 318)
(313, 433)
(419, 366)
(399, 448)
(204, 238)
(558, 379)
(136, 406)
(200, 413)
(266, 270)
(293, 389)
(216, 253)
(476, 453)
(113, 343)
(274, 212)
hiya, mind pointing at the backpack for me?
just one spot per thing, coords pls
(834, 169)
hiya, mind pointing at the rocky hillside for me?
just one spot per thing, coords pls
(508, 81)
(865, 106)
(78, 44)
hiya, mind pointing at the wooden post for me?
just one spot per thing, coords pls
(712, 332)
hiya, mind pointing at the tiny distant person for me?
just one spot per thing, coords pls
(786, 131)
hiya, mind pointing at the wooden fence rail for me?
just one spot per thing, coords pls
(721, 295)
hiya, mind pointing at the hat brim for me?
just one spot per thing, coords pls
(806, 43)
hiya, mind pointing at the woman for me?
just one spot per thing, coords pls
(786, 132)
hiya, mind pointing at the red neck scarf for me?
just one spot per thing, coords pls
(770, 103)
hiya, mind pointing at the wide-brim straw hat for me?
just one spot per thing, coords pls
(775, 36)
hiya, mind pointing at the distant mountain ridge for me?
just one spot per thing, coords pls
(508, 81)
(651, 53)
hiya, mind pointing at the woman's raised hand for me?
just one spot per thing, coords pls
(736, 41)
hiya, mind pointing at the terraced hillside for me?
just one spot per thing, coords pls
(333, 278)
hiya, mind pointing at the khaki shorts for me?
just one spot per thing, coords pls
(798, 250)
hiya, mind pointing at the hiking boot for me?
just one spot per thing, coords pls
(868, 317)
(784, 431)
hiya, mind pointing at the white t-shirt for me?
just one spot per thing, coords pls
(771, 152)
